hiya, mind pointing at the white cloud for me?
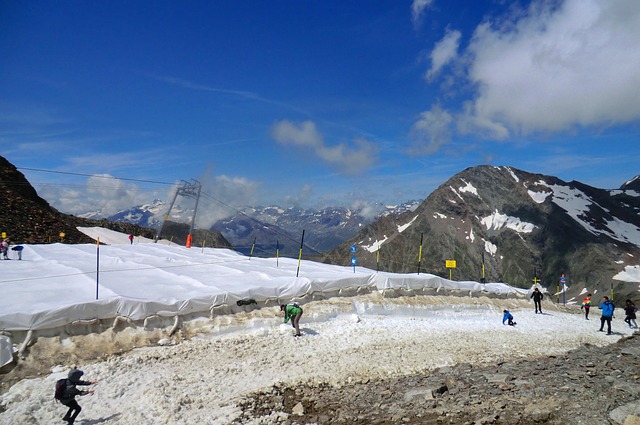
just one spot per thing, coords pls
(431, 131)
(349, 160)
(444, 52)
(417, 10)
(555, 67)
(222, 196)
(101, 193)
(576, 65)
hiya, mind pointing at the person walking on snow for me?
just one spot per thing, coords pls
(294, 312)
(586, 305)
(508, 317)
(630, 312)
(4, 248)
(131, 238)
(537, 300)
(607, 308)
(71, 391)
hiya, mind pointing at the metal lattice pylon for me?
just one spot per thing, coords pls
(187, 190)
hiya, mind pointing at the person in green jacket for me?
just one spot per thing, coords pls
(294, 312)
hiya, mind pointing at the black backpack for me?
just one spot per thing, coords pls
(61, 385)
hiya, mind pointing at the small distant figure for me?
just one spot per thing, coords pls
(508, 317)
(4, 248)
(66, 392)
(18, 249)
(607, 308)
(131, 238)
(630, 310)
(537, 300)
(586, 305)
(294, 312)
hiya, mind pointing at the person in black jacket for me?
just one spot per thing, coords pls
(537, 300)
(71, 391)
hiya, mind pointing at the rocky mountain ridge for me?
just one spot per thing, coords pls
(508, 225)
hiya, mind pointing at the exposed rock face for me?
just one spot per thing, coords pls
(590, 385)
(518, 224)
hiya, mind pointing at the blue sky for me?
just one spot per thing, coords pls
(314, 103)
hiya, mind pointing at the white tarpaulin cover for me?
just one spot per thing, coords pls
(6, 350)
(56, 284)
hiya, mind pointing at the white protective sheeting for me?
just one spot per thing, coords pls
(56, 284)
(6, 350)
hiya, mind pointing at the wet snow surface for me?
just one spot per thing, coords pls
(200, 380)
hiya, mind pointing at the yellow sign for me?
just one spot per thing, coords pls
(4, 235)
(450, 264)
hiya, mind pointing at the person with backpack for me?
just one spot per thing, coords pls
(294, 312)
(66, 392)
(607, 308)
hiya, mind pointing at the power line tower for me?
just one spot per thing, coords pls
(187, 190)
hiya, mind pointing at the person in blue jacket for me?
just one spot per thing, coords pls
(607, 308)
(508, 317)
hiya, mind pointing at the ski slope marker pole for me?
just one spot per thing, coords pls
(420, 253)
(252, 246)
(97, 264)
(300, 254)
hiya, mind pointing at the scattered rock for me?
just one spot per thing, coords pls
(589, 385)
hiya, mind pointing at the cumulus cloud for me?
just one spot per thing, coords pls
(431, 131)
(417, 10)
(552, 68)
(100, 193)
(444, 52)
(221, 197)
(346, 159)
(558, 68)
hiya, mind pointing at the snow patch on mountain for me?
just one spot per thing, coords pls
(469, 188)
(497, 221)
(374, 246)
(629, 274)
(405, 226)
(490, 248)
(580, 207)
(539, 197)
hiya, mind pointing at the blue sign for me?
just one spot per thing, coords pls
(353, 249)
(354, 260)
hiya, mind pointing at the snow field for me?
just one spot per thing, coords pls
(200, 380)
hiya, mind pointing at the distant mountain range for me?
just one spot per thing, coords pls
(264, 229)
